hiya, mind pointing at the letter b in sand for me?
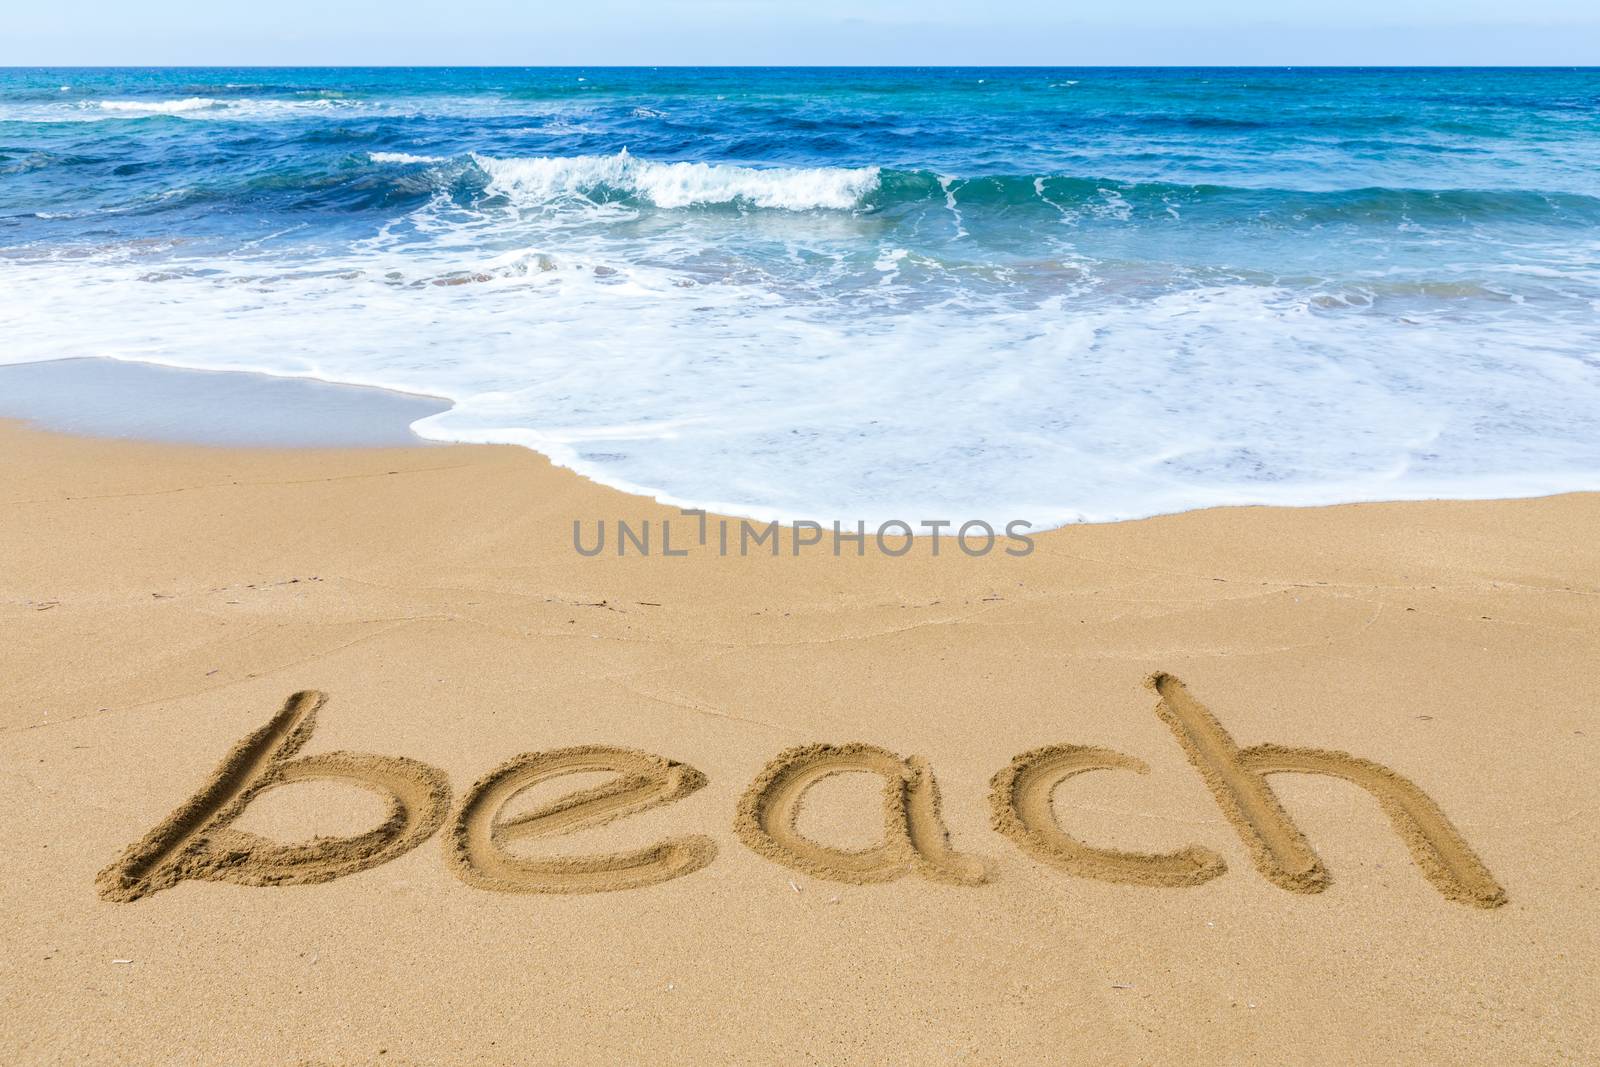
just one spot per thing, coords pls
(198, 840)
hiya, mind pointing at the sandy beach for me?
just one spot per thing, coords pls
(953, 861)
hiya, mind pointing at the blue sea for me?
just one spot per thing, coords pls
(1059, 295)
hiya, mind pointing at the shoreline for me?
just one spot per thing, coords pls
(112, 398)
(166, 600)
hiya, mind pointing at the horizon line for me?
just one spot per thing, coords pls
(799, 66)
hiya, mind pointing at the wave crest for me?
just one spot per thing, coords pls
(403, 158)
(540, 180)
(162, 107)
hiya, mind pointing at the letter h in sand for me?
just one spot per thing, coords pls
(1237, 779)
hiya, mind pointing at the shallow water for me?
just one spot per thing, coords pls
(1048, 294)
(111, 398)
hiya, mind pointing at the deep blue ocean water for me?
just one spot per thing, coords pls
(1049, 294)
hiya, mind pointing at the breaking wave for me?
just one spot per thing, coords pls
(162, 107)
(545, 179)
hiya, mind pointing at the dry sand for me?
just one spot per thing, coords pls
(552, 727)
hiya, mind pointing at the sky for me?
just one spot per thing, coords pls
(771, 32)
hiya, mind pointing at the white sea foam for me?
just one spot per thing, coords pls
(759, 401)
(888, 262)
(403, 158)
(948, 186)
(162, 107)
(193, 108)
(261, 108)
(539, 180)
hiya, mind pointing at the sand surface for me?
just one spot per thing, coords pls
(955, 861)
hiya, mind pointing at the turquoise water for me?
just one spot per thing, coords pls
(1050, 294)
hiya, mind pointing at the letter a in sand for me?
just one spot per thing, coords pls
(914, 836)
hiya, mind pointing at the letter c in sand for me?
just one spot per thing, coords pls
(1019, 800)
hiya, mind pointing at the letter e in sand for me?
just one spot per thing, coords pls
(475, 844)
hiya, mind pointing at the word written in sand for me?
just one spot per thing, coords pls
(199, 841)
